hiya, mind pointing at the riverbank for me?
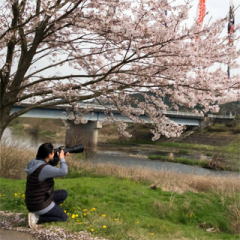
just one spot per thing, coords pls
(119, 203)
(216, 148)
(207, 156)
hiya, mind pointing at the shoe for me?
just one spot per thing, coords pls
(32, 220)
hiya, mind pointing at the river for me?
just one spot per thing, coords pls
(129, 156)
(122, 157)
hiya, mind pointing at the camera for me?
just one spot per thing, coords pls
(74, 149)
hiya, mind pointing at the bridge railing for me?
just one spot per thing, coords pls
(173, 114)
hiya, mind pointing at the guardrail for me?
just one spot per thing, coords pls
(114, 109)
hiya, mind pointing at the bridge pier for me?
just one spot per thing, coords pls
(206, 121)
(86, 134)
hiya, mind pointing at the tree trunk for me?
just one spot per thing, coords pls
(2, 128)
(4, 119)
(1, 132)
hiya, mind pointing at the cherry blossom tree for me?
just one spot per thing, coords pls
(64, 52)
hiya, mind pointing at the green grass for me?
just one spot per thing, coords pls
(185, 146)
(121, 209)
(188, 161)
(231, 165)
(233, 147)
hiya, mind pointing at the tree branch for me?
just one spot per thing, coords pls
(38, 6)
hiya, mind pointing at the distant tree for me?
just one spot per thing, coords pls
(230, 108)
(112, 49)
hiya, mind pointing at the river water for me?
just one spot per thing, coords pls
(9, 139)
(126, 159)
(130, 156)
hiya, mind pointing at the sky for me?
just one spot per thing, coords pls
(219, 8)
(216, 9)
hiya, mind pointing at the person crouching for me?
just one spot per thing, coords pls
(41, 200)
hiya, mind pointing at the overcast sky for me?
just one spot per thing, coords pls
(219, 8)
(216, 9)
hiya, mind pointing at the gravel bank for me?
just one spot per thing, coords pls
(18, 222)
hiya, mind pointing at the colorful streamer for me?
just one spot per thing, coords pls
(231, 29)
(231, 22)
(202, 11)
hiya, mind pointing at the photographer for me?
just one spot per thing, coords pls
(40, 198)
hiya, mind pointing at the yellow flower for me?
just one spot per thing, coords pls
(104, 226)
(92, 229)
(190, 214)
(65, 211)
(103, 215)
(84, 210)
(93, 209)
(84, 214)
(15, 194)
(74, 215)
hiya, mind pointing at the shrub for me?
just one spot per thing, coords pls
(13, 159)
(235, 130)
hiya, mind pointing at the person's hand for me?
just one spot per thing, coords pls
(61, 154)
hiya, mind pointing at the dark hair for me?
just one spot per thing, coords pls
(44, 150)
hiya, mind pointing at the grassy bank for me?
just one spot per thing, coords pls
(212, 157)
(202, 163)
(220, 157)
(225, 157)
(135, 203)
(123, 209)
(232, 147)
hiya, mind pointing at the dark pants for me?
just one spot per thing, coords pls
(56, 213)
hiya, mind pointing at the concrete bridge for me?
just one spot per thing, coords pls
(87, 134)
